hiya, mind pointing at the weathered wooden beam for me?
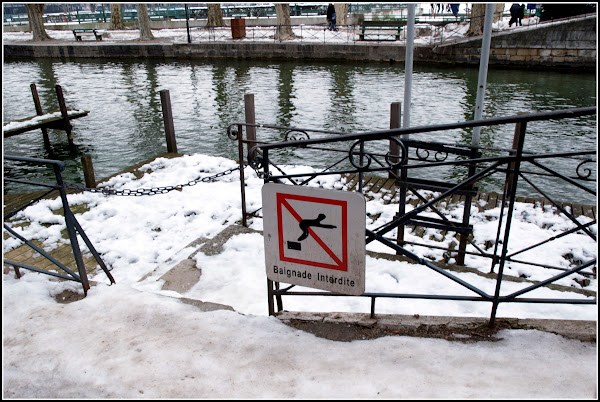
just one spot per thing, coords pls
(56, 121)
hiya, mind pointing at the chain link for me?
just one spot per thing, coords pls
(149, 191)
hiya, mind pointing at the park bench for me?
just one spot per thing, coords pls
(80, 33)
(376, 30)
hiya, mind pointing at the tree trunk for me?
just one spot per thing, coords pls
(116, 18)
(36, 21)
(498, 11)
(284, 22)
(144, 20)
(215, 16)
(477, 17)
(341, 13)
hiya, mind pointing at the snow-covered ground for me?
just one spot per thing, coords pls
(130, 341)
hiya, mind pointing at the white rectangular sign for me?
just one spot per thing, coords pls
(315, 237)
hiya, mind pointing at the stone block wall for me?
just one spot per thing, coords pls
(569, 44)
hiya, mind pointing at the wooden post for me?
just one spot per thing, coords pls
(250, 119)
(165, 100)
(395, 117)
(65, 115)
(39, 111)
(88, 171)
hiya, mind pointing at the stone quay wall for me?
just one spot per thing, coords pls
(569, 44)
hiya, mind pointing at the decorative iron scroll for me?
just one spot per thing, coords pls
(255, 159)
(587, 171)
(366, 158)
(232, 133)
(298, 136)
(439, 155)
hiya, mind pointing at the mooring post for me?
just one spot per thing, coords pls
(65, 115)
(250, 119)
(165, 100)
(395, 117)
(88, 171)
(40, 111)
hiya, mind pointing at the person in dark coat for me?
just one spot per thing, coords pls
(515, 9)
(331, 17)
(521, 14)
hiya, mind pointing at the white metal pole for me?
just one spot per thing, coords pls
(408, 64)
(483, 69)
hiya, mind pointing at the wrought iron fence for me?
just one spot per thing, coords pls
(300, 33)
(516, 165)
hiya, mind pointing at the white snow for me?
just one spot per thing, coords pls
(130, 341)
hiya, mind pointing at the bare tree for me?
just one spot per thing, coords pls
(498, 11)
(36, 21)
(341, 13)
(144, 20)
(284, 22)
(477, 17)
(116, 18)
(215, 15)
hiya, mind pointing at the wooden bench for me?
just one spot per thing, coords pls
(80, 33)
(375, 30)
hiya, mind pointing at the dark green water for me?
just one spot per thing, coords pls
(125, 124)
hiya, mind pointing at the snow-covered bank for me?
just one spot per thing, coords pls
(126, 341)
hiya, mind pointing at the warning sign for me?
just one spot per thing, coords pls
(314, 237)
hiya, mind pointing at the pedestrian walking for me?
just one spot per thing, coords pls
(331, 17)
(515, 9)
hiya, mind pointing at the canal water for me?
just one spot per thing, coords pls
(125, 124)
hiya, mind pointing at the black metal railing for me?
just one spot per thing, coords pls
(509, 163)
(72, 225)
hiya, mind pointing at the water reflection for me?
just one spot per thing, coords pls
(125, 121)
(341, 113)
(285, 95)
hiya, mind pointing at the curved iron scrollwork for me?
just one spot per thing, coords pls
(587, 172)
(232, 133)
(365, 158)
(439, 156)
(255, 159)
(296, 135)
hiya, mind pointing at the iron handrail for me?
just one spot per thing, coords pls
(73, 229)
(386, 134)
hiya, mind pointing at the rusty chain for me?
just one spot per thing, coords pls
(149, 191)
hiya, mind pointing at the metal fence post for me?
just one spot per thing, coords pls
(395, 117)
(512, 177)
